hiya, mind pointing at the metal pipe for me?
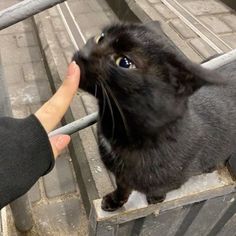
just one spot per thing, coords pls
(220, 61)
(23, 10)
(76, 125)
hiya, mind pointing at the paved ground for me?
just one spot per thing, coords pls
(56, 199)
(199, 28)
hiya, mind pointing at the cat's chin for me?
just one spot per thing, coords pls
(86, 78)
(78, 59)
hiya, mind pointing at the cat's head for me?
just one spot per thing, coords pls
(140, 72)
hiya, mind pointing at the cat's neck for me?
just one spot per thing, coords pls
(112, 125)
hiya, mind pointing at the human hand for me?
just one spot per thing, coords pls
(54, 109)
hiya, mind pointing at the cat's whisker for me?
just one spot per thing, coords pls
(118, 107)
(104, 100)
(95, 92)
(111, 110)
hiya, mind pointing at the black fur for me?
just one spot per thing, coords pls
(160, 123)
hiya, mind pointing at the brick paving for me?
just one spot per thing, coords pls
(202, 7)
(213, 14)
(91, 16)
(55, 198)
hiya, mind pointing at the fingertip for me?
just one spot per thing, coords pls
(73, 69)
(77, 70)
(76, 66)
(62, 141)
(59, 143)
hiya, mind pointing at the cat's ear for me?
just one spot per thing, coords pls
(185, 76)
(156, 28)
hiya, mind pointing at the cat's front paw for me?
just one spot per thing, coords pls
(110, 203)
(155, 199)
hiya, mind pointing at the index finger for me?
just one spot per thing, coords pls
(54, 109)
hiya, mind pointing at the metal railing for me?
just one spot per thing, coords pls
(23, 10)
(76, 125)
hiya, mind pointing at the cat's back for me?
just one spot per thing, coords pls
(216, 99)
(215, 106)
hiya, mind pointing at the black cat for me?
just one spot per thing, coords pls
(162, 118)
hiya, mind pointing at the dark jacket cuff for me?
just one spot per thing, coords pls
(25, 155)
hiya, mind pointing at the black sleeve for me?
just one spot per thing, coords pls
(25, 155)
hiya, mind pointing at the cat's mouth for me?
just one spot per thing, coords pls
(87, 79)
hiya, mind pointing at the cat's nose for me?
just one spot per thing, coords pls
(80, 61)
(79, 58)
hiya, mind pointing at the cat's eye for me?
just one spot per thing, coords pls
(125, 62)
(98, 39)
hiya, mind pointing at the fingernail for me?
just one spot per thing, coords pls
(61, 141)
(72, 68)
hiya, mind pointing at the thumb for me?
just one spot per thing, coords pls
(58, 143)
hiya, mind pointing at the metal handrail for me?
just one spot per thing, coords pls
(23, 10)
(76, 125)
(220, 61)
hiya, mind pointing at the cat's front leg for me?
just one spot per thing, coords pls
(116, 199)
(154, 199)
(159, 194)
